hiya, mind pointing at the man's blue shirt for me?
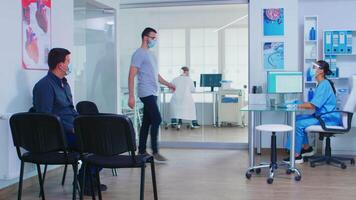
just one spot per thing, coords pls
(52, 95)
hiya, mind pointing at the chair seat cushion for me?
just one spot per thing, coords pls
(319, 129)
(51, 158)
(117, 161)
(274, 128)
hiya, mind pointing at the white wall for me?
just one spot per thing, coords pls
(16, 83)
(257, 73)
(332, 15)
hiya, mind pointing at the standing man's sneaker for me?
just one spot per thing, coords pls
(307, 152)
(298, 159)
(159, 157)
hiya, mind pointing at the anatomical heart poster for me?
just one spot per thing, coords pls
(36, 33)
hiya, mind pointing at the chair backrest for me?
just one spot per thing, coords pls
(350, 105)
(105, 134)
(37, 133)
(86, 108)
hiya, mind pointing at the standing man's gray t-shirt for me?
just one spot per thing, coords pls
(146, 64)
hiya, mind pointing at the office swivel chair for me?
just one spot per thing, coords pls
(330, 131)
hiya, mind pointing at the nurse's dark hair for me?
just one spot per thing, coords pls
(55, 56)
(147, 31)
(326, 68)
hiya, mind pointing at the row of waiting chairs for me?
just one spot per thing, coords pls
(103, 140)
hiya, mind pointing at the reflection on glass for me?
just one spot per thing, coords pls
(94, 55)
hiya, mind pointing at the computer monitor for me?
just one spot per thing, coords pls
(210, 80)
(281, 82)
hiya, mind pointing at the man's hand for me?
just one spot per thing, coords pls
(171, 87)
(131, 102)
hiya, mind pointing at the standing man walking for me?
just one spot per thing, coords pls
(144, 64)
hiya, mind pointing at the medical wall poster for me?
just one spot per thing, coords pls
(273, 55)
(273, 22)
(36, 33)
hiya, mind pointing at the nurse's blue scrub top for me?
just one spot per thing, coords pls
(324, 101)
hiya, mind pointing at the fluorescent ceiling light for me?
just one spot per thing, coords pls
(231, 23)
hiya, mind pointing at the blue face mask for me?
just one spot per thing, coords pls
(69, 69)
(151, 43)
(312, 72)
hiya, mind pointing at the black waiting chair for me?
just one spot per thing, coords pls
(39, 139)
(90, 108)
(87, 108)
(103, 139)
(33, 110)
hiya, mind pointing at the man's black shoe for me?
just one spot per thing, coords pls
(298, 159)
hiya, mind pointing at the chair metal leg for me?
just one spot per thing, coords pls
(154, 184)
(19, 194)
(75, 170)
(83, 182)
(91, 186)
(142, 186)
(64, 174)
(98, 183)
(114, 172)
(43, 177)
(40, 180)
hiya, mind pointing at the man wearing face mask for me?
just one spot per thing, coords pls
(144, 64)
(52, 94)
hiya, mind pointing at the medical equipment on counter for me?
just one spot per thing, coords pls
(229, 104)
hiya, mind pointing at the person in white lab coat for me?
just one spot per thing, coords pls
(182, 105)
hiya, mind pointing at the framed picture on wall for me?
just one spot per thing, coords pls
(273, 22)
(36, 33)
(273, 55)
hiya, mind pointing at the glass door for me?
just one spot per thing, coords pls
(94, 55)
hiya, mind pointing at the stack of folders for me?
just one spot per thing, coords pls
(337, 42)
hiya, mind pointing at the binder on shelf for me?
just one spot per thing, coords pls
(349, 42)
(342, 42)
(335, 42)
(327, 42)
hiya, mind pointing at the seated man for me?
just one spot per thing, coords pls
(182, 105)
(52, 94)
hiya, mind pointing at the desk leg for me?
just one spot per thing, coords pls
(251, 139)
(214, 110)
(292, 150)
(258, 133)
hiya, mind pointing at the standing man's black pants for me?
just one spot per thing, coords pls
(151, 119)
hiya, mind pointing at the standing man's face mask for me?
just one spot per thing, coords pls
(151, 43)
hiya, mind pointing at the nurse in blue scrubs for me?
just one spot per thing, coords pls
(324, 101)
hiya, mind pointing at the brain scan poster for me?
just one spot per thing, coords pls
(36, 33)
(273, 22)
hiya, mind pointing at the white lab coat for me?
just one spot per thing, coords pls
(182, 105)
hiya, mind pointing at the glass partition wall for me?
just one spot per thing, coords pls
(94, 55)
(190, 36)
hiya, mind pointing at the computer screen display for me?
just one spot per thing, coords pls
(210, 80)
(284, 82)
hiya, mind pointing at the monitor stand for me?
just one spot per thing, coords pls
(281, 101)
(212, 89)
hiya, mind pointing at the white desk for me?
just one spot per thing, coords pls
(164, 101)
